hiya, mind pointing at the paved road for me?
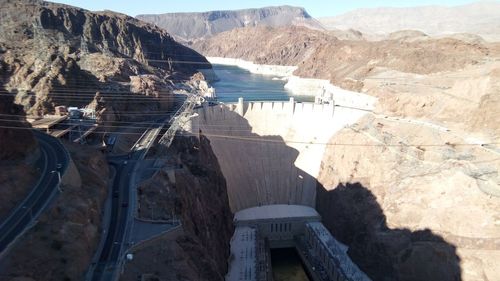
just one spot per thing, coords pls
(55, 159)
(122, 207)
(109, 256)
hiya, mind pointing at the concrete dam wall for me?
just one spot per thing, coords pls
(270, 152)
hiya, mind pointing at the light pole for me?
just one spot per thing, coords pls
(58, 180)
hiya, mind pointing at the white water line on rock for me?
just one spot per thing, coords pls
(322, 90)
(264, 69)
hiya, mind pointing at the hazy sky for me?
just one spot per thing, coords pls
(317, 8)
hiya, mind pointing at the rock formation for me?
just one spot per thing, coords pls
(18, 152)
(85, 52)
(194, 26)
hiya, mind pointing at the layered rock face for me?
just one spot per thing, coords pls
(84, 52)
(194, 26)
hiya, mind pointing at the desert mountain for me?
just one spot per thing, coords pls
(193, 26)
(481, 18)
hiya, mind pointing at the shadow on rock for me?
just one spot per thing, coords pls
(354, 217)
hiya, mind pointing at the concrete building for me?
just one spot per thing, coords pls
(287, 226)
(279, 224)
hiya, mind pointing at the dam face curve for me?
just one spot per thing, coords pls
(271, 152)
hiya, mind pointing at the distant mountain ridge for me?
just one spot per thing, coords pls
(481, 18)
(193, 26)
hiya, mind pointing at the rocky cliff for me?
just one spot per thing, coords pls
(85, 52)
(194, 26)
(408, 207)
(199, 249)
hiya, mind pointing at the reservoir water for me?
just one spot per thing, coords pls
(235, 82)
(287, 265)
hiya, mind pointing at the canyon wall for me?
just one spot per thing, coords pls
(205, 206)
(12, 116)
(18, 154)
(87, 52)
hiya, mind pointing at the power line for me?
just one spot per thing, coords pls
(267, 140)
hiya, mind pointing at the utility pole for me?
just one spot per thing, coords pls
(58, 180)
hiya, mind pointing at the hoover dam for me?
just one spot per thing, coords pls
(247, 145)
(270, 154)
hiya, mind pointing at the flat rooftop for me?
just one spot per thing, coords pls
(276, 212)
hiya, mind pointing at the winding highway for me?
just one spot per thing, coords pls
(55, 161)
